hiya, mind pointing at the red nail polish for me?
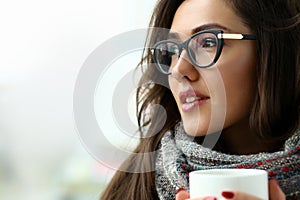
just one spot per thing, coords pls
(210, 198)
(228, 195)
(180, 189)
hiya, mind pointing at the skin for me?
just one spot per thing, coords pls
(230, 84)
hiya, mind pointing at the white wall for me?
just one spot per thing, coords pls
(43, 44)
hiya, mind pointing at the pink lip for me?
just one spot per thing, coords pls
(186, 107)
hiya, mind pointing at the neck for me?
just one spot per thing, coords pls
(240, 139)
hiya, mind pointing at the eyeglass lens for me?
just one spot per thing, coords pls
(202, 50)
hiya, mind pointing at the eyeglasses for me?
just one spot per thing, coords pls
(203, 49)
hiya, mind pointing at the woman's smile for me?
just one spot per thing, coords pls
(191, 99)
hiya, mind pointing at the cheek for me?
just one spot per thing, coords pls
(239, 76)
(174, 89)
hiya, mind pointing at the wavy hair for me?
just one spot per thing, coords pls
(275, 112)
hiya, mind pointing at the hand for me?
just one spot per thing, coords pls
(275, 193)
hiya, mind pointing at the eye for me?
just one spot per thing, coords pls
(208, 42)
(204, 41)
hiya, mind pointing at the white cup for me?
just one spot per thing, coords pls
(213, 182)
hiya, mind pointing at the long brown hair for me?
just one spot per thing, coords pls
(275, 112)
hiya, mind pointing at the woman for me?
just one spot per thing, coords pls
(231, 66)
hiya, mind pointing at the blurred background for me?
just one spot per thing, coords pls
(43, 44)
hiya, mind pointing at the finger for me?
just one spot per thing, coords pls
(182, 194)
(203, 198)
(275, 191)
(236, 195)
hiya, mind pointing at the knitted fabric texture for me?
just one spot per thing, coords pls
(178, 155)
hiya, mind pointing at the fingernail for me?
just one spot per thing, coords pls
(210, 198)
(180, 189)
(228, 195)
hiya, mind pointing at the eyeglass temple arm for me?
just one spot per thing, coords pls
(236, 36)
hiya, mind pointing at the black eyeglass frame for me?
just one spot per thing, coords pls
(220, 35)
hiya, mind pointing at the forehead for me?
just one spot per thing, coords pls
(196, 13)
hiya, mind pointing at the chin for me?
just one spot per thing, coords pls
(195, 129)
(199, 129)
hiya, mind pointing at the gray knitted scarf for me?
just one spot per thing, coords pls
(179, 154)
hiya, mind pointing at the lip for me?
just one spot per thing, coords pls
(189, 106)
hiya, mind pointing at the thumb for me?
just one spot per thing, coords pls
(182, 194)
(274, 190)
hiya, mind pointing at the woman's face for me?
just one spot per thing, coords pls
(225, 91)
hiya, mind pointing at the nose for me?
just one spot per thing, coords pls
(184, 69)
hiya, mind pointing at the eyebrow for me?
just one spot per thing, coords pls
(209, 26)
(176, 35)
